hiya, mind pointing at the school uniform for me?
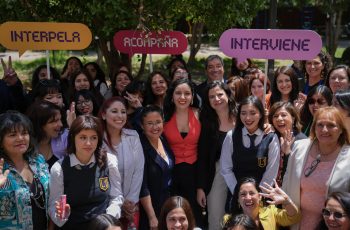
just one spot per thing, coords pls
(240, 158)
(90, 190)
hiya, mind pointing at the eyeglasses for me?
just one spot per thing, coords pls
(309, 170)
(49, 82)
(318, 101)
(85, 102)
(154, 124)
(336, 215)
(179, 74)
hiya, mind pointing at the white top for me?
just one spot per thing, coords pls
(57, 187)
(131, 162)
(103, 87)
(226, 164)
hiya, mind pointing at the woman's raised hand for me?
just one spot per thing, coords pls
(286, 141)
(275, 194)
(3, 175)
(10, 75)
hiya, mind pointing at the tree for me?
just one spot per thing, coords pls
(215, 16)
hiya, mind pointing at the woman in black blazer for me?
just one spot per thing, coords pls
(159, 162)
(217, 117)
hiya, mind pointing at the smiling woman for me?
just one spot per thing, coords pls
(248, 145)
(319, 166)
(24, 177)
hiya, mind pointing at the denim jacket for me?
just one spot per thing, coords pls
(15, 204)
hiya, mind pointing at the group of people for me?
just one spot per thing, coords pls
(166, 153)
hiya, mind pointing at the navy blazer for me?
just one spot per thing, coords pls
(157, 177)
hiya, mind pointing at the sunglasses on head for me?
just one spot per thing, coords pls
(336, 215)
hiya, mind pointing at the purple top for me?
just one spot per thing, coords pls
(59, 144)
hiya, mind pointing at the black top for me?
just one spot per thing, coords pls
(157, 178)
(51, 161)
(37, 200)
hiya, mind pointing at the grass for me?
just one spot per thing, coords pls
(25, 68)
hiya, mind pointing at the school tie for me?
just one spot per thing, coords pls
(252, 140)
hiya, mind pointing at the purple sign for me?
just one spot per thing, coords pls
(270, 44)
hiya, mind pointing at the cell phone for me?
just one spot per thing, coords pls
(63, 200)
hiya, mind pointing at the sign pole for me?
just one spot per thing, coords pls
(265, 81)
(48, 64)
(150, 63)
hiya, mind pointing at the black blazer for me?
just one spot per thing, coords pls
(156, 177)
(208, 145)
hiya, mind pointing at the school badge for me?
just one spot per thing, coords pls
(262, 162)
(104, 184)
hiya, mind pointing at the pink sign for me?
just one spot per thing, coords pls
(164, 42)
(270, 44)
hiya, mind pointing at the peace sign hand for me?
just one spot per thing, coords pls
(3, 175)
(10, 75)
(276, 194)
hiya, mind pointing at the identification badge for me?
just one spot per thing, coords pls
(262, 162)
(104, 184)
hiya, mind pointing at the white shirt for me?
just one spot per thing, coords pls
(226, 164)
(57, 186)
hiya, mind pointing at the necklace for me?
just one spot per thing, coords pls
(37, 193)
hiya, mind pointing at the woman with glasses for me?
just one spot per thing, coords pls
(159, 162)
(179, 72)
(336, 213)
(318, 97)
(318, 166)
(85, 103)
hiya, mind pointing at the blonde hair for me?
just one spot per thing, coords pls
(339, 120)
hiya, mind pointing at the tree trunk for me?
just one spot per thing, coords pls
(196, 31)
(142, 66)
(333, 30)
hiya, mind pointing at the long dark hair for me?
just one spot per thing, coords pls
(276, 94)
(40, 113)
(150, 97)
(208, 116)
(343, 99)
(13, 120)
(169, 105)
(84, 122)
(251, 100)
(100, 75)
(87, 95)
(305, 114)
(35, 76)
(327, 62)
(67, 61)
(114, 81)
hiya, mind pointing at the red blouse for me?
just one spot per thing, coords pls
(185, 149)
